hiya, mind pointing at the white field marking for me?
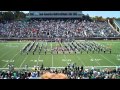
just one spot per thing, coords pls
(64, 54)
(118, 57)
(32, 60)
(109, 42)
(2, 48)
(115, 55)
(108, 60)
(52, 60)
(38, 59)
(47, 45)
(11, 59)
(5, 54)
(95, 61)
(8, 60)
(40, 44)
(23, 61)
(12, 43)
(66, 60)
(101, 66)
(52, 55)
(80, 60)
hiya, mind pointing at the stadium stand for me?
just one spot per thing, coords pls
(67, 29)
(55, 28)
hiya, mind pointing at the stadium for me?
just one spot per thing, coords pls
(59, 45)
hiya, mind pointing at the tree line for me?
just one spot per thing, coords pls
(100, 18)
(19, 15)
(12, 15)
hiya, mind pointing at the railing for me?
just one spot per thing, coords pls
(76, 38)
(118, 24)
(87, 67)
(113, 27)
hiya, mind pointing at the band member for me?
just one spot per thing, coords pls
(75, 52)
(104, 51)
(51, 52)
(98, 51)
(110, 51)
(57, 51)
(87, 51)
(69, 52)
(45, 52)
(81, 52)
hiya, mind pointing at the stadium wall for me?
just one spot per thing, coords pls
(48, 39)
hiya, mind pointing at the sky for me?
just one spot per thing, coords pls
(104, 14)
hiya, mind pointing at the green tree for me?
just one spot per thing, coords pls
(1, 17)
(8, 16)
(19, 15)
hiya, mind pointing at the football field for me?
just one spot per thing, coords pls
(10, 53)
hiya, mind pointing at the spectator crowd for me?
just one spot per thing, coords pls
(72, 71)
(56, 28)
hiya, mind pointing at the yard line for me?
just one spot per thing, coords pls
(2, 48)
(38, 58)
(110, 42)
(80, 60)
(95, 61)
(108, 60)
(52, 54)
(5, 54)
(11, 59)
(52, 60)
(12, 43)
(64, 54)
(23, 61)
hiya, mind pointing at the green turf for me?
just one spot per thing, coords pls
(10, 53)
